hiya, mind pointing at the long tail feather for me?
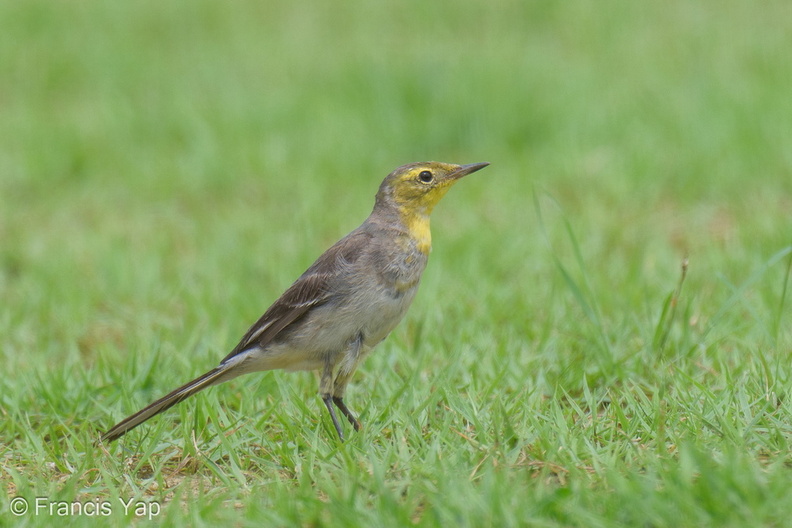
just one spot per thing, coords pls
(166, 402)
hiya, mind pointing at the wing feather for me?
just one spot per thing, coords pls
(309, 291)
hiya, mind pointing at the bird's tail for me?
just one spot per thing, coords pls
(166, 402)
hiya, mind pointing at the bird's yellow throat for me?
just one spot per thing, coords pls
(418, 226)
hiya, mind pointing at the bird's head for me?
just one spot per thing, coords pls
(415, 189)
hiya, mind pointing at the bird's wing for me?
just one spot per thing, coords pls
(309, 291)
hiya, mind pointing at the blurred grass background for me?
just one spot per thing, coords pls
(167, 169)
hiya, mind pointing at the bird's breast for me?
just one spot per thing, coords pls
(385, 307)
(399, 270)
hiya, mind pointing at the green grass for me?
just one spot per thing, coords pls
(167, 169)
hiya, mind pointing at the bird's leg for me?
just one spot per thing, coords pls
(339, 402)
(342, 379)
(328, 401)
(338, 398)
(326, 392)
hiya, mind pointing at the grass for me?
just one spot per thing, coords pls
(167, 169)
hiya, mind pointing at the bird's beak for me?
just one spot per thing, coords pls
(464, 170)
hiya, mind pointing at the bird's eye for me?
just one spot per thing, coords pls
(426, 176)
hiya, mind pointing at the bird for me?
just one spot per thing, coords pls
(344, 304)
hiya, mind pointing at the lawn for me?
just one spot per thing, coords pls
(603, 336)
